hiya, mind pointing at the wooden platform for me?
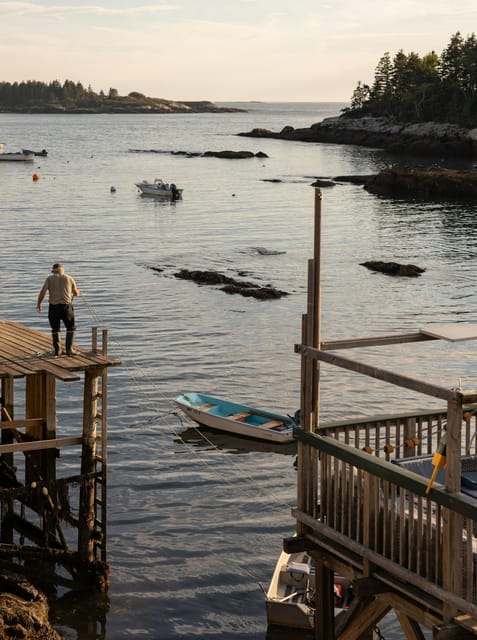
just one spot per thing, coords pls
(25, 352)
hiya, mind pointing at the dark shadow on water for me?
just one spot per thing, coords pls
(287, 633)
(205, 438)
(81, 612)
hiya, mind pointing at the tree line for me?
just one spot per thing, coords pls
(411, 88)
(35, 93)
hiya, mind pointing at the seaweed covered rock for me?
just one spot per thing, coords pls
(434, 182)
(23, 611)
(394, 268)
(230, 285)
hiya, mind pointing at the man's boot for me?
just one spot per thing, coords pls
(69, 343)
(56, 343)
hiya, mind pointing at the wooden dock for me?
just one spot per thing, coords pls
(39, 494)
(363, 510)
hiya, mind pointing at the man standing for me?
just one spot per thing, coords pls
(61, 288)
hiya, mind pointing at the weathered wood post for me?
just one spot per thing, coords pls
(307, 496)
(310, 387)
(88, 469)
(452, 531)
(7, 397)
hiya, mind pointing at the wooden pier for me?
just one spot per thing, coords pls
(363, 511)
(53, 484)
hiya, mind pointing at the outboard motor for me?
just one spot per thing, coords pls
(174, 192)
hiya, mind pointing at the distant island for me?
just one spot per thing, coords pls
(71, 97)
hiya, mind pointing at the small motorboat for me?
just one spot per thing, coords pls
(42, 153)
(240, 419)
(17, 156)
(159, 189)
(289, 601)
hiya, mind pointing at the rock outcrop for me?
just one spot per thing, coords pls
(227, 154)
(23, 611)
(230, 285)
(429, 138)
(429, 183)
(394, 268)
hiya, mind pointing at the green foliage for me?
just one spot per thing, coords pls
(54, 95)
(409, 87)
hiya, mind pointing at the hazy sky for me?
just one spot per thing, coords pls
(221, 50)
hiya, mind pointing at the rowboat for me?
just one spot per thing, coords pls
(159, 189)
(289, 600)
(237, 418)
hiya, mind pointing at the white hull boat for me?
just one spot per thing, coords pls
(289, 600)
(19, 156)
(236, 418)
(159, 189)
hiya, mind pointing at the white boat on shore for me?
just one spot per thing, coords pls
(289, 601)
(236, 418)
(159, 189)
(18, 156)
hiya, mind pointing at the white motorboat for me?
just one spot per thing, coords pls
(159, 189)
(289, 600)
(18, 156)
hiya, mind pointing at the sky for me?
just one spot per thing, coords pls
(221, 50)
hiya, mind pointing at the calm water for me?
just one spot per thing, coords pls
(195, 524)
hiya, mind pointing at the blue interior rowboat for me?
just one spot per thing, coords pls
(240, 419)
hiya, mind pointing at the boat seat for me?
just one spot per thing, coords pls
(203, 407)
(271, 424)
(239, 416)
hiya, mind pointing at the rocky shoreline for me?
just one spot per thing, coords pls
(148, 105)
(423, 138)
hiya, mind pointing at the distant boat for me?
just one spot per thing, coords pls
(43, 152)
(159, 189)
(18, 156)
(237, 418)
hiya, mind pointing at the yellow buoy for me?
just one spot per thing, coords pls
(438, 460)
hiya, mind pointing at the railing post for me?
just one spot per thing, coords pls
(452, 530)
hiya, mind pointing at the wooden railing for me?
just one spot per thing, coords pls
(371, 510)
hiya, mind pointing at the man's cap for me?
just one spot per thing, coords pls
(57, 265)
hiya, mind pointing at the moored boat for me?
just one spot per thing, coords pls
(159, 189)
(289, 600)
(18, 156)
(42, 153)
(237, 418)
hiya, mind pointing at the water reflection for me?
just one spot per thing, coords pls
(205, 438)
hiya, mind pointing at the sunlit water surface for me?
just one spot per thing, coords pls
(196, 524)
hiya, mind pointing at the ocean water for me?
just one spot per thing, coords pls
(196, 519)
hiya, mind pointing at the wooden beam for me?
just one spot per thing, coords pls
(38, 445)
(465, 505)
(19, 424)
(324, 602)
(365, 620)
(379, 374)
(377, 341)
(411, 629)
(294, 544)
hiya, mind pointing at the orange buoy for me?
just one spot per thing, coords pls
(35, 177)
